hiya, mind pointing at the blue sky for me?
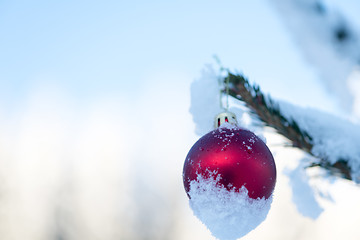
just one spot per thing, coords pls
(91, 48)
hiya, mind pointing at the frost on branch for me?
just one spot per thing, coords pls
(228, 215)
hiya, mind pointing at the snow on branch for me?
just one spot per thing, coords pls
(334, 142)
(327, 39)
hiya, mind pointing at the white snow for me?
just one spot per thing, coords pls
(228, 215)
(314, 27)
(205, 100)
(303, 195)
(333, 138)
(205, 105)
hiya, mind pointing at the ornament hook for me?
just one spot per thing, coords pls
(226, 116)
(226, 108)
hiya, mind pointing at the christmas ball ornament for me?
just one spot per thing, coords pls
(235, 157)
(229, 175)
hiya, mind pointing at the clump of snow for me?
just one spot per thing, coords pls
(228, 215)
(303, 195)
(333, 138)
(205, 105)
(327, 39)
(205, 100)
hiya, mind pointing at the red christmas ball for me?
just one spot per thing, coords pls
(238, 156)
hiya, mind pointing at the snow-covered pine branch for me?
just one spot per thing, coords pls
(334, 142)
(329, 42)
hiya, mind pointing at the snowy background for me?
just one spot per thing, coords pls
(95, 122)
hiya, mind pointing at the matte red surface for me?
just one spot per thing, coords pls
(238, 155)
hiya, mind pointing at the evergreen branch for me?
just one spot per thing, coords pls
(269, 113)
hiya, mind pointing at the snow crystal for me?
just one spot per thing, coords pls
(228, 215)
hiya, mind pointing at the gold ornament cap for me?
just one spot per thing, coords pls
(225, 117)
